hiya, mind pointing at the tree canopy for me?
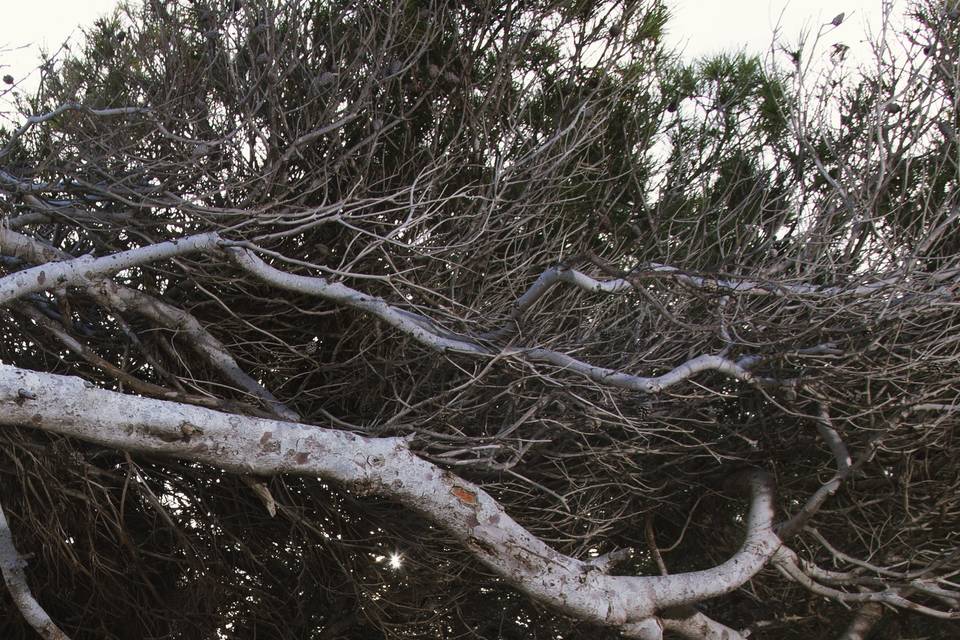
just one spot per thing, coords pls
(487, 319)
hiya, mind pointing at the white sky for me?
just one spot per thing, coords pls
(28, 25)
(701, 27)
(698, 27)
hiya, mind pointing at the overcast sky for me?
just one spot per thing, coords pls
(699, 26)
(30, 24)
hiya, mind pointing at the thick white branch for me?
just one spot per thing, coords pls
(85, 268)
(388, 467)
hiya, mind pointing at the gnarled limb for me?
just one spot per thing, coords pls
(388, 467)
(122, 298)
(83, 270)
(555, 275)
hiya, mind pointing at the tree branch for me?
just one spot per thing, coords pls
(844, 464)
(428, 333)
(11, 565)
(787, 562)
(122, 299)
(555, 275)
(700, 627)
(63, 108)
(80, 270)
(388, 467)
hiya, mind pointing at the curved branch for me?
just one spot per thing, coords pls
(650, 385)
(388, 467)
(428, 333)
(80, 271)
(555, 275)
(844, 464)
(421, 328)
(11, 566)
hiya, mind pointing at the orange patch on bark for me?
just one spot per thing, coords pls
(464, 495)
